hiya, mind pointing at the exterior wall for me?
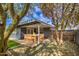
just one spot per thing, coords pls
(13, 35)
(16, 34)
(77, 37)
(47, 33)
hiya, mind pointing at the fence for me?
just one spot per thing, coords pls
(67, 35)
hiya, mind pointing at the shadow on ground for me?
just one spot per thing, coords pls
(50, 49)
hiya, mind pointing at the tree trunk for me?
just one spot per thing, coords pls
(3, 43)
(57, 36)
(16, 18)
(61, 37)
(3, 48)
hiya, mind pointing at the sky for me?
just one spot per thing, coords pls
(34, 13)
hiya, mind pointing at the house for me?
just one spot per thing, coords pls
(34, 26)
(37, 31)
(33, 30)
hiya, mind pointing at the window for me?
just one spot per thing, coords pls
(23, 30)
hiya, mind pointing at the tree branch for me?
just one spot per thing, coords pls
(65, 8)
(24, 11)
(2, 20)
(5, 6)
(16, 20)
(11, 10)
(72, 10)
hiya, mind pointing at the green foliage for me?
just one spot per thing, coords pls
(12, 43)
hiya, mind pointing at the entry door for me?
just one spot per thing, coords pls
(23, 31)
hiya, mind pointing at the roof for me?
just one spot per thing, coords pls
(33, 22)
(35, 14)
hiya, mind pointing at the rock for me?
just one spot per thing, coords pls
(46, 41)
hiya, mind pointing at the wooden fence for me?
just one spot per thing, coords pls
(68, 35)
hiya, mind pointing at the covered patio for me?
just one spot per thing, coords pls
(34, 31)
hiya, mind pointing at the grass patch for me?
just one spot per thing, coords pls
(12, 43)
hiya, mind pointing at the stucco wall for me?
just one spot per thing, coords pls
(16, 34)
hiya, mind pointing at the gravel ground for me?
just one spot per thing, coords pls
(48, 49)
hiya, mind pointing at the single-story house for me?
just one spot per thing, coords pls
(34, 30)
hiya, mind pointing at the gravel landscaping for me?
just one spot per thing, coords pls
(49, 49)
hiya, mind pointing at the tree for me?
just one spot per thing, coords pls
(74, 18)
(54, 11)
(5, 33)
(61, 15)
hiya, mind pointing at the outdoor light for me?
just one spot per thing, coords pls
(1, 23)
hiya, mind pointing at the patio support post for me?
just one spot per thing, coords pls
(38, 34)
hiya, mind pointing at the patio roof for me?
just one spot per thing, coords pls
(35, 23)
